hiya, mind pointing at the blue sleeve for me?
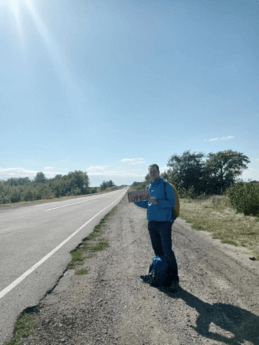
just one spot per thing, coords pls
(170, 202)
(143, 204)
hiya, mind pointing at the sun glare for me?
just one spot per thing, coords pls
(14, 7)
(17, 7)
(11, 3)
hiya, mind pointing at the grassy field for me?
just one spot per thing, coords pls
(219, 218)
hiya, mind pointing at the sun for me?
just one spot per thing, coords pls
(13, 6)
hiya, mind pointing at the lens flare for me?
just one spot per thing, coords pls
(14, 7)
(66, 79)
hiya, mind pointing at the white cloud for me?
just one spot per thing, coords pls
(96, 168)
(133, 160)
(49, 168)
(101, 171)
(6, 173)
(16, 172)
(227, 138)
(223, 138)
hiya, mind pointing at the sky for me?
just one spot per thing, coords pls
(110, 87)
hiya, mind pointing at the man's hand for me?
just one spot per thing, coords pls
(153, 200)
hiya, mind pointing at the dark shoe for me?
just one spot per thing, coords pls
(174, 287)
(146, 279)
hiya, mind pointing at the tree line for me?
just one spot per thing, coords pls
(199, 173)
(107, 184)
(23, 189)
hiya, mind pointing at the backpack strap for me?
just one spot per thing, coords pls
(167, 199)
(164, 188)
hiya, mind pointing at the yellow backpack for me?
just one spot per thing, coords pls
(176, 209)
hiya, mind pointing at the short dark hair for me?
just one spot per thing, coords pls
(154, 165)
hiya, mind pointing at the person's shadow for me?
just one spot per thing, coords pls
(242, 323)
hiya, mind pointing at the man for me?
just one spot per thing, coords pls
(159, 216)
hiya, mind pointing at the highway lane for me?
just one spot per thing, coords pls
(28, 234)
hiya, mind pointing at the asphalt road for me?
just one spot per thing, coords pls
(35, 245)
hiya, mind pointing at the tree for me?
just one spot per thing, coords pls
(58, 177)
(103, 186)
(216, 174)
(111, 183)
(40, 178)
(186, 170)
(224, 167)
(78, 179)
(17, 181)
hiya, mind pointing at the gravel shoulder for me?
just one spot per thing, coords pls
(218, 302)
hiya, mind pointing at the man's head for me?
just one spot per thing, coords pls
(154, 173)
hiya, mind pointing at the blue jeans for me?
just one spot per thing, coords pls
(160, 235)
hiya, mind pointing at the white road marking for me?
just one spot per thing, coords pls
(46, 257)
(79, 202)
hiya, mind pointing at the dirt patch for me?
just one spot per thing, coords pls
(218, 302)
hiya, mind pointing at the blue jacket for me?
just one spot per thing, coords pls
(163, 210)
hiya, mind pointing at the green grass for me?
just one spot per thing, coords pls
(221, 219)
(23, 327)
(82, 271)
(100, 246)
(230, 242)
(77, 255)
(198, 227)
(89, 256)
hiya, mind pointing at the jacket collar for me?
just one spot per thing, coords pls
(156, 182)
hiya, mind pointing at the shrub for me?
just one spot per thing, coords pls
(15, 195)
(244, 197)
(27, 195)
(4, 199)
(188, 193)
(76, 191)
(47, 195)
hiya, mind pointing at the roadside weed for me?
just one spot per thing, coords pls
(100, 246)
(76, 256)
(23, 327)
(82, 271)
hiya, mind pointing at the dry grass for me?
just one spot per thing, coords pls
(220, 219)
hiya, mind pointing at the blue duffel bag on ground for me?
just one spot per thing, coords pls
(157, 272)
